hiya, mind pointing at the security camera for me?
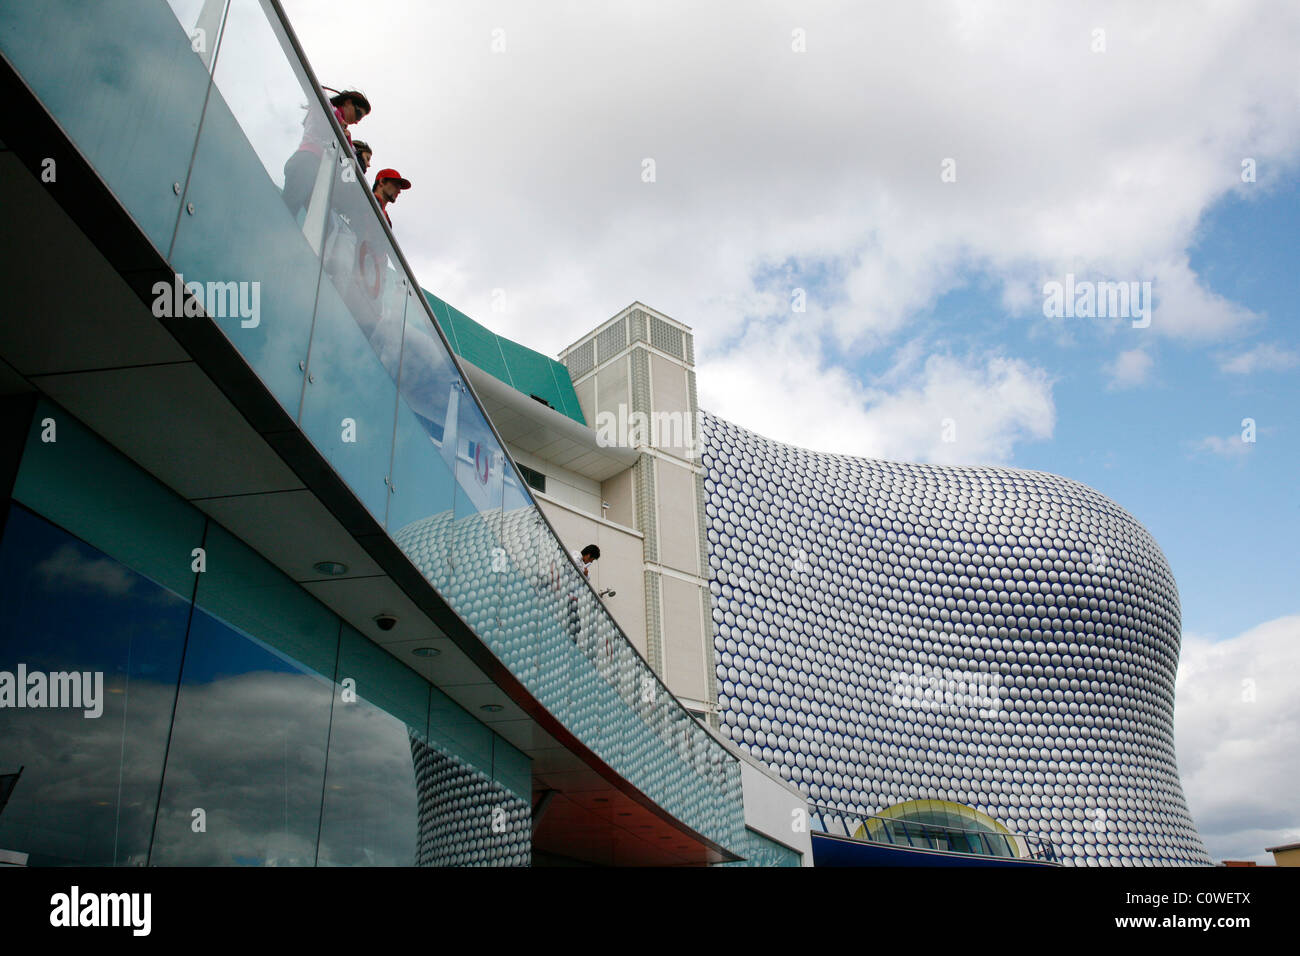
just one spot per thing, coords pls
(386, 622)
(608, 592)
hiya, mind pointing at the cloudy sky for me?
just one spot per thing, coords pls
(860, 207)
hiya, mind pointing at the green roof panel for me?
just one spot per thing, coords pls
(478, 344)
(520, 367)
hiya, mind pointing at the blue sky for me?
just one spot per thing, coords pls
(1227, 519)
(1225, 511)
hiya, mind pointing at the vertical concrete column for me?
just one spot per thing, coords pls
(635, 379)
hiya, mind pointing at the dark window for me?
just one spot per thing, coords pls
(536, 480)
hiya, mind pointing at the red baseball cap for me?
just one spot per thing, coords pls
(392, 174)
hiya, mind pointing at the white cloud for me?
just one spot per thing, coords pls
(1130, 369)
(779, 382)
(823, 167)
(1230, 447)
(527, 163)
(1186, 309)
(1262, 358)
(1237, 727)
(67, 567)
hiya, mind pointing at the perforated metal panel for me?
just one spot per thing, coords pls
(653, 623)
(581, 360)
(612, 341)
(645, 506)
(641, 381)
(663, 336)
(1003, 639)
(466, 819)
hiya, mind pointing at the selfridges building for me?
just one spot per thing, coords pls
(1002, 639)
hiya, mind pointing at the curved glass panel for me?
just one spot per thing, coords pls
(350, 399)
(259, 188)
(71, 54)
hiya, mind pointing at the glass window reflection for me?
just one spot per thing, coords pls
(89, 784)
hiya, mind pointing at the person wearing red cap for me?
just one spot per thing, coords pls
(388, 186)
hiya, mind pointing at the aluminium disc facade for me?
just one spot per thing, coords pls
(1000, 638)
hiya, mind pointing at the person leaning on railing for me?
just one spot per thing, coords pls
(583, 560)
(350, 108)
(358, 261)
(349, 198)
(388, 186)
(363, 152)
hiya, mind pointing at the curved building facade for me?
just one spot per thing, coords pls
(998, 638)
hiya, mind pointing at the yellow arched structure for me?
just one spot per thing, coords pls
(941, 825)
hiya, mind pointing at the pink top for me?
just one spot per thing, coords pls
(316, 132)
